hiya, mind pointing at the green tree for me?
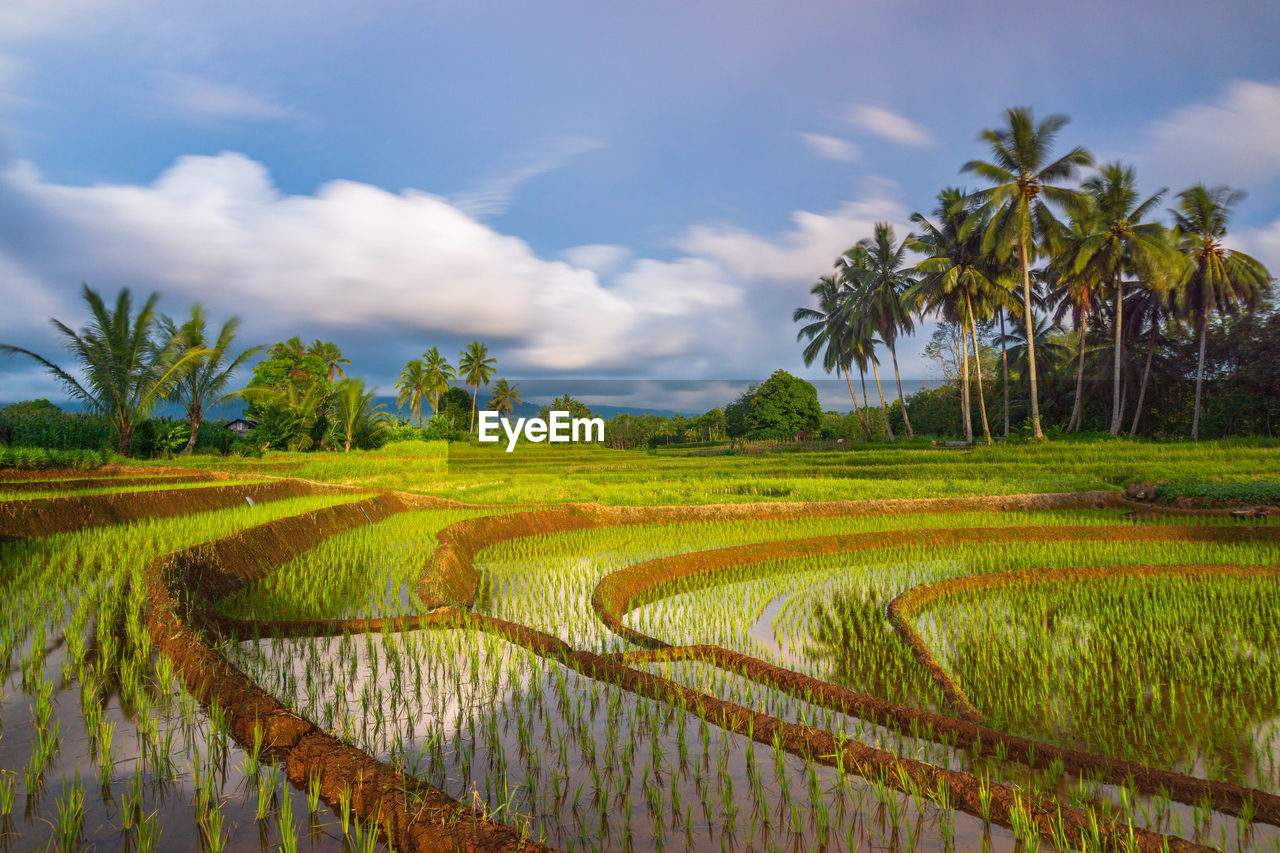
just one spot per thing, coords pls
(783, 405)
(1214, 278)
(414, 383)
(357, 421)
(455, 406)
(329, 353)
(440, 376)
(882, 278)
(1122, 243)
(505, 397)
(828, 334)
(203, 383)
(955, 274)
(1017, 219)
(477, 369)
(126, 370)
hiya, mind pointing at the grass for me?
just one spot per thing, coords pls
(543, 473)
(1172, 673)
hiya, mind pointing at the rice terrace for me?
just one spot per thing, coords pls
(1075, 669)
(665, 427)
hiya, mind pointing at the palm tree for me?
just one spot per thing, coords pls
(357, 421)
(126, 372)
(440, 375)
(1214, 278)
(1017, 219)
(201, 384)
(1122, 243)
(1076, 292)
(331, 355)
(1053, 347)
(880, 267)
(476, 369)
(505, 397)
(956, 274)
(413, 385)
(865, 341)
(1147, 309)
(828, 334)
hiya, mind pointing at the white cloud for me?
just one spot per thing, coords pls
(34, 17)
(1233, 139)
(600, 259)
(201, 100)
(494, 195)
(1262, 243)
(889, 125)
(830, 147)
(385, 274)
(803, 253)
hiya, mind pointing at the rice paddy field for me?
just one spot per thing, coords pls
(444, 648)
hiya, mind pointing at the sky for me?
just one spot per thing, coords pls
(592, 189)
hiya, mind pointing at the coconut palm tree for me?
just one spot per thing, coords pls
(1146, 309)
(956, 275)
(126, 371)
(1214, 278)
(1075, 292)
(357, 421)
(331, 355)
(863, 332)
(476, 369)
(1121, 243)
(884, 277)
(505, 397)
(1015, 212)
(413, 385)
(202, 384)
(828, 334)
(440, 375)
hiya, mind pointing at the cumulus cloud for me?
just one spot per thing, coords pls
(600, 259)
(889, 125)
(1263, 243)
(1233, 139)
(804, 252)
(386, 274)
(206, 101)
(830, 147)
(493, 195)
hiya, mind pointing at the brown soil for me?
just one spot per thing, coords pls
(47, 516)
(110, 482)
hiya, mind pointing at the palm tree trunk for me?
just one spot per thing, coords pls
(1004, 371)
(977, 364)
(1077, 410)
(1204, 333)
(1036, 432)
(862, 377)
(124, 438)
(966, 414)
(193, 415)
(475, 393)
(903, 400)
(1117, 410)
(1142, 392)
(858, 411)
(884, 410)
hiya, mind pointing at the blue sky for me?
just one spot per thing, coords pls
(638, 190)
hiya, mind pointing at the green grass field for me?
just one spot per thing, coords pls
(751, 677)
(541, 473)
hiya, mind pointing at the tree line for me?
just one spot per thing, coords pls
(1033, 249)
